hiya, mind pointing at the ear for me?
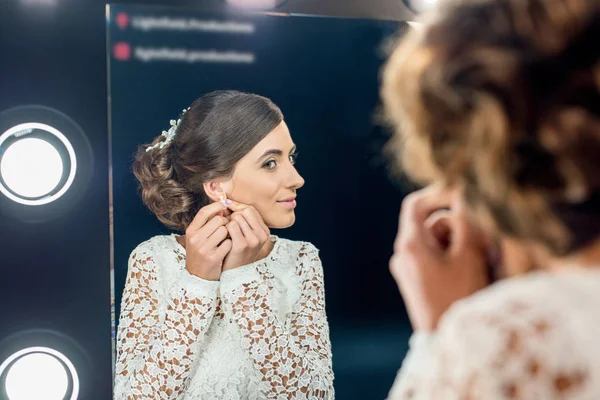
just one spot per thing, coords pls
(213, 190)
(216, 190)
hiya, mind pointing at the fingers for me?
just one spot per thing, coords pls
(211, 226)
(438, 217)
(203, 216)
(243, 225)
(223, 249)
(235, 232)
(256, 222)
(252, 217)
(416, 208)
(200, 238)
(216, 238)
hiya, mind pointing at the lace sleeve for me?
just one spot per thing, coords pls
(154, 352)
(293, 357)
(518, 350)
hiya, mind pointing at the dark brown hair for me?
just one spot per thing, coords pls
(503, 96)
(214, 134)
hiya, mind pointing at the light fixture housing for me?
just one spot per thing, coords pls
(43, 364)
(46, 163)
(39, 372)
(37, 163)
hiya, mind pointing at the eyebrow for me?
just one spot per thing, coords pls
(275, 152)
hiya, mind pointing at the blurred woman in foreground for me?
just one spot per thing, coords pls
(496, 107)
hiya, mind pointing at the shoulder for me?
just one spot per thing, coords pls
(538, 292)
(153, 248)
(295, 248)
(534, 311)
(158, 260)
(519, 335)
(304, 255)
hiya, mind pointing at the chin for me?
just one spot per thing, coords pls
(281, 222)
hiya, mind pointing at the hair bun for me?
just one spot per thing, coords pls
(161, 192)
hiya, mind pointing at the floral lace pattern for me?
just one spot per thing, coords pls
(292, 354)
(261, 332)
(526, 338)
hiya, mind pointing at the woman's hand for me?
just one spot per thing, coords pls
(439, 257)
(206, 242)
(248, 233)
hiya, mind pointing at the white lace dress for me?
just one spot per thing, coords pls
(261, 332)
(530, 338)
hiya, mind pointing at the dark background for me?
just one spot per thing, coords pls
(55, 279)
(324, 75)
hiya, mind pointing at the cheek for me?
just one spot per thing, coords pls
(258, 190)
(264, 192)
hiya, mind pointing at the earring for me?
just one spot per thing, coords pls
(224, 200)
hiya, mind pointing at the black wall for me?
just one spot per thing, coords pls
(55, 282)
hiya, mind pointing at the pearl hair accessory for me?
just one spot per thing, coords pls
(169, 135)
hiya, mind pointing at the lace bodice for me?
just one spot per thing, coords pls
(529, 338)
(260, 332)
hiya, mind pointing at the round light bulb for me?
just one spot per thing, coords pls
(31, 167)
(36, 169)
(37, 376)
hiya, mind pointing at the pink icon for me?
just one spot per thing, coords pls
(122, 20)
(122, 51)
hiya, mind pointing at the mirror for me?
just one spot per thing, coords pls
(323, 74)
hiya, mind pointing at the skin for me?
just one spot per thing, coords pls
(261, 195)
(263, 178)
(434, 248)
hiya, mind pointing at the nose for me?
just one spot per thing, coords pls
(295, 181)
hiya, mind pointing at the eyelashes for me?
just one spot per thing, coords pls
(272, 164)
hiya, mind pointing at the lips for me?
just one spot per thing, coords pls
(289, 203)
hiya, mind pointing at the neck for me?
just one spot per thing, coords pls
(587, 257)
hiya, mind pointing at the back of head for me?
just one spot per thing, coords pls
(503, 96)
(216, 131)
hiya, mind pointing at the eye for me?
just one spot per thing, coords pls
(293, 158)
(270, 164)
